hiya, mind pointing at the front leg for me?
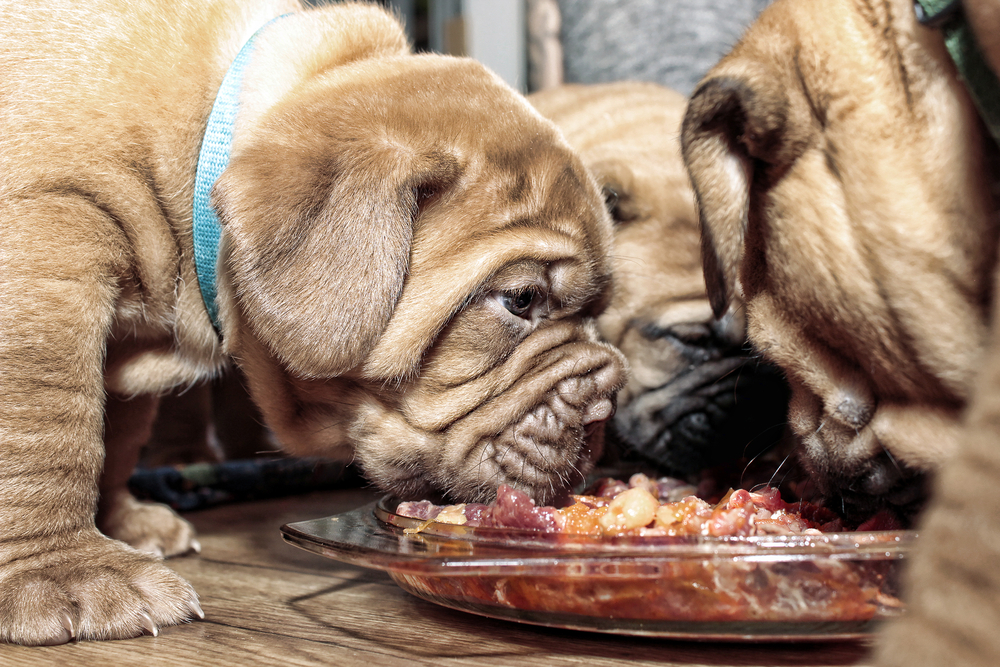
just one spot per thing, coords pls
(150, 527)
(61, 578)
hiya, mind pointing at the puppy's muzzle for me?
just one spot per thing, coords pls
(718, 404)
(856, 475)
(883, 485)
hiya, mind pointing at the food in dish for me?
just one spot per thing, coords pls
(749, 557)
(642, 507)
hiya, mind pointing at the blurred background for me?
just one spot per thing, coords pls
(535, 44)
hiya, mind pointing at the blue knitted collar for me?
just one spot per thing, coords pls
(212, 161)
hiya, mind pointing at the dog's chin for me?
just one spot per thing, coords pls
(548, 464)
(853, 471)
(546, 469)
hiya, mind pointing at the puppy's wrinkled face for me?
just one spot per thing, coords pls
(515, 386)
(440, 317)
(841, 178)
(692, 400)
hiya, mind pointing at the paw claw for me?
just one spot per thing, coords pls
(67, 622)
(65, 635)
(196, 609)
(56, 640)
(196, 546)
(148, 625)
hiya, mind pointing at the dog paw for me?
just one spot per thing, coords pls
(95, 588)
(149, 527)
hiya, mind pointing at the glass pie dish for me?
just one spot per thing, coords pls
(833, 586)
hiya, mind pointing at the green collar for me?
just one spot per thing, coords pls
(981, 81)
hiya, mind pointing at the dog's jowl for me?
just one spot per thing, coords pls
(404, 258)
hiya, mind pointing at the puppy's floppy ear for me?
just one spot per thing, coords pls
(317, 234)
(732, 126)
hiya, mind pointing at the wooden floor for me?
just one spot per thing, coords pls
(268, 603)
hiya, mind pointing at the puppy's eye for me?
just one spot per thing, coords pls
(611, 201)
(519, 302)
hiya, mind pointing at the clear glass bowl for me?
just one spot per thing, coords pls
(761, 588)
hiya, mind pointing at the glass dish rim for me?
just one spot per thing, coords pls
(855, 544)
(374, 537)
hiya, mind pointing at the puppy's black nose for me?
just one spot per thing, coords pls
(854, 409)
(881, 477)
(884, 484)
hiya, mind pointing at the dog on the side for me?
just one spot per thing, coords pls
(410, 264)
(843, 185)
(847, 192)
(694, 398)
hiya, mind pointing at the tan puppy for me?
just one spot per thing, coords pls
(842, 177)
(409, 266)
(680, 409)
